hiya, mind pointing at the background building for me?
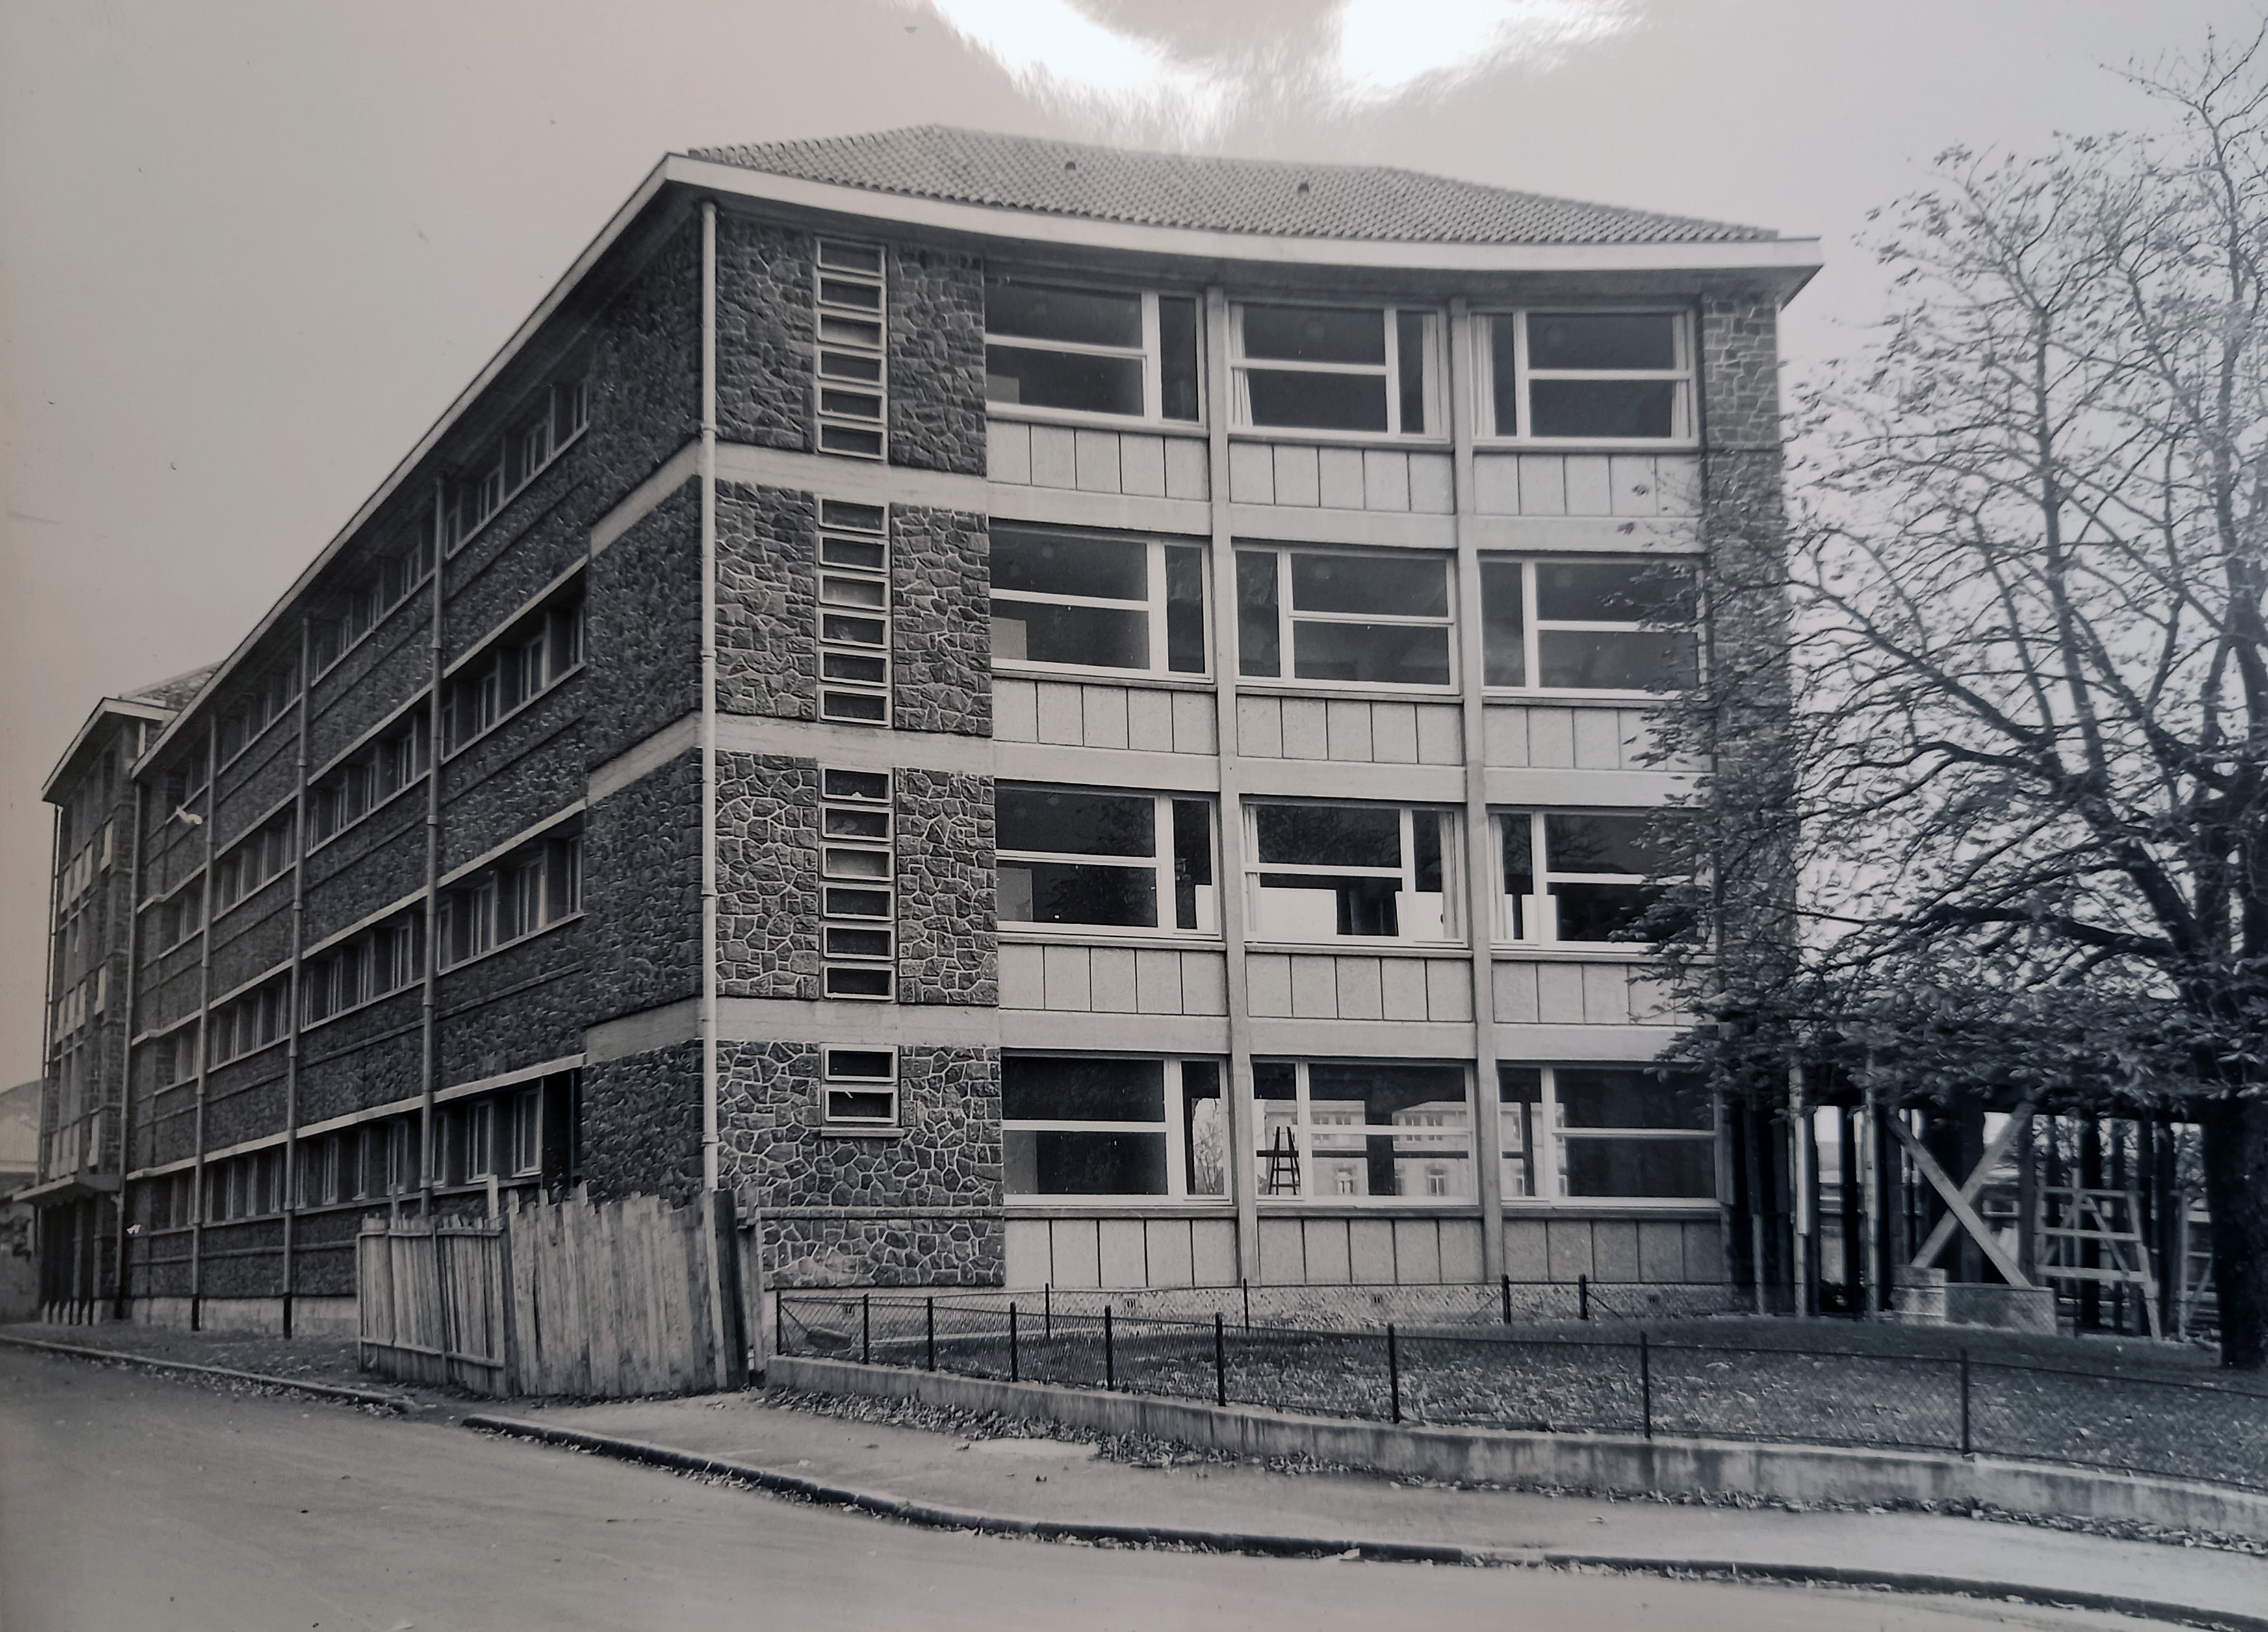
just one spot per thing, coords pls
(1038, 713)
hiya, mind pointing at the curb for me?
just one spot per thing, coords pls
(328, 1390)
(885, 1505)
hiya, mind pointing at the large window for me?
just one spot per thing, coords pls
(1356, 620)
(537, 885)
(1348, 1131)
(1587, 625)
(1584, 877)
(1097, 601)
(1076, 1126)
(1321, 872)
(255, 859)
(252, 1021)
(1358, 369)
(364, 968)
(370, 776)
(532, 656)
(1090, 352)
(385, 583)
(550, 419)
(1606, 1132)
(1098, 860)
(1589, 377)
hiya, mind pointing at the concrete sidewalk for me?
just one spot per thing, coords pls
(1065, 1483)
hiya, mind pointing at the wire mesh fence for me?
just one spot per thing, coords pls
(1459, 1372)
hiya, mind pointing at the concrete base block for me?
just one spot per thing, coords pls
(2008, 1308)
(311, 1317)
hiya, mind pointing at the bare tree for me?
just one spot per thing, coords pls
(2024, 778)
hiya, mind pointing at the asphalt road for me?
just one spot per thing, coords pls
(128, 1500)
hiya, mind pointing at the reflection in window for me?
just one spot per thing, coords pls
(1588, 625)
(1585, 876)
(1589, 376)
(1090, 352)
(1076, 1126)
(1369, 1129)
(1366, 619)
(1320, 872)
(1126, 861)
(1629, 1132)
(1334, 368)
(1090, 600)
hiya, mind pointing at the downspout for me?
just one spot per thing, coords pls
(119, 1299)
(204, 1027)
(298, 997)
(428, 1051)
(710, 1165)
(51, 1080)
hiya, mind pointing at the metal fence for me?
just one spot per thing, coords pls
(1620, 1381)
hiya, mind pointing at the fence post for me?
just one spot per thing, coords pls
(1504, 1283)
(1047, 1311)
(1393, 1373)
(929, 1321)
(1219, 1363)
(1245, 1286)
(1645, 1383)
(866, 1328)
(1965, 1402)
(1109, 1358)
(779, 1322)
(1582, 1297)
(1014, 1368)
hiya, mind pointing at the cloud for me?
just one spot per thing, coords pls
(1149, 64)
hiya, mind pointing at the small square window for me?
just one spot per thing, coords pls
(860, 1085)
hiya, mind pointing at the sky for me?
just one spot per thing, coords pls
(250, 249)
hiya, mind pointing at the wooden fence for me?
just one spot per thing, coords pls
(597, 1301)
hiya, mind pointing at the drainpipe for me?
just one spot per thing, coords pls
(119, 1299)
(51, 1082)
(428, 1012)
(204, 1025)
(711, 1176)
(292, 1197)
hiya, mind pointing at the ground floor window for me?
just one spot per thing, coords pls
(1606, 1132)
(1089, 1126)
(1349, 1130)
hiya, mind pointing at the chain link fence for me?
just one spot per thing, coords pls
(1467, 1366)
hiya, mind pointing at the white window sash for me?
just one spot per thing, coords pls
(1682, 414)
(1159, 864)
(1405, 876)
(1390, 371)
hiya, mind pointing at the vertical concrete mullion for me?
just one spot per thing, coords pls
(1472, 673)
(204, 1018)
(1241, 1136)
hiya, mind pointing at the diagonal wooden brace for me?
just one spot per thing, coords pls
(1957, 1201)
(2018, 1120)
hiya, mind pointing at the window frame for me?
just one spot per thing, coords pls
(847, 427)
(1544, 1136)
(1287, 618)
(852, 593)
(462, 519)
(477, 894)
(1162, 866)
(1452, 863)
(1432, 375)
(835, 1083)
(1533, 626)
(1304, 1127)
(355, 628)
(840, 795)
(412, 726)
(1684, 409)
(1151, 353)
(482, 668)
(1175, 1127)
(1507, 921)
(1157, 608)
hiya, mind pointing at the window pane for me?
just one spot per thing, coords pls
(1083, 1164)
(1041, 1090)
(1329, 836)
(1613, 590)
(1428, 1152)
(1259, 643)
(1384, 654)
(1601, 340)
(1503, 625)
(1177, 357)
(1314, 334)
(1387, 586)
(1683, 1169)
(1067, 893)
(1504, 374)
(1309, 907)
(1205, 1129)
(1070, 563)
(1085, 317)
(1317, 401)
(1075, 824)
(1409, 364)
(1614, 660)
(1603, 912)
(1193, 895)
(1185, 629)
(1584, 841)
(1091, 638)
(1021, 376)
(1632, 1097)
(1602, 408)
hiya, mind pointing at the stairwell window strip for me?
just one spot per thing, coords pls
(1319, 872)
(858, 1087)
(1344, 619)
(1620, 1133)
(858, 900)
(1336, 370)
(1571, 377)
(1095, 1128)
(1053, 351)
(1069, 599)
(1596, 625)
(1357, 1131)
(853, 368)
(1104, 861)
(854, 613)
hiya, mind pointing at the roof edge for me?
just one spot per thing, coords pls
(130, 708)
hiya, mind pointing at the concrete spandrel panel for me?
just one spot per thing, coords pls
(1441, 734)
(1527, 1251)
(1150, 721)
(1359, 998)
(1187, 469)
(1660, 1250)
(1094, 455)
(1156, 981)
(1329, 1261)
(1062, 714)
(1504, 736)
(1023, 978)
(1705, 1252)
(1614, 1250)
(1298, 480)
(1432, 484)
(1268, 985)
(1636, 483)
(1251, 474)
(1197, 727)
(1448, 988)
(1568, 1247)
(1515, 994)
(1104, 708)
(1055, 458)
(1370, 1251)
(1282, 1252)
(1385, 479)
(1401, 988)
(1077, 1253)
(1124, 1258)
(1598, 738)
(1212, 1251)
(1590, 486)
(1205, 982)
(1543, 484)
(1067, 976)
(1024, 1242)
(1606, 994)
(1559, 994)
(1460, 1249)
(1394, 733)
(1340, 473)
(1142, 466)
(1015, 709)
(1346, 730)
(1110, 981)
(1168, 1245)
(1315, 988)
(1496, 484)
(1008, 453)
(1417, 1251)
(1260, 727)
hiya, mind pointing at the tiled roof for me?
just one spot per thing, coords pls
(174, 693)
(1216, 194)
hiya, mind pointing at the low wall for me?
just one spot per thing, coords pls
(1591, 1461)
(311, 1317)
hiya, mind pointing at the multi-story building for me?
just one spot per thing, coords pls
(1040, 714)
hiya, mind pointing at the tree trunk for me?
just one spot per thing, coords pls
(2236, 1190)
